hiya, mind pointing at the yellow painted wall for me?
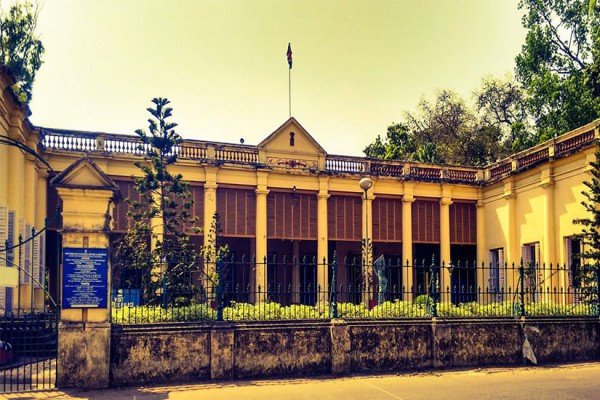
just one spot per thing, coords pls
(514, 208)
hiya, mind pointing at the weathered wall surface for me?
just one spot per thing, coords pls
(559, 340)
(196, 352)
(83, 359)
(390, 345)
(160, 353)
(282, 349)
(476, 342)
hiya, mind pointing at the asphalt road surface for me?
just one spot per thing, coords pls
(575, 381)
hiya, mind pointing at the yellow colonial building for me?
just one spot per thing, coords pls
(289, 197)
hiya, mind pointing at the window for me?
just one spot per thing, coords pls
(534, 282)
(573, 249)
(10, 254)
(497, 274)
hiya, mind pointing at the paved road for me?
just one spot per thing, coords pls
(576, 381)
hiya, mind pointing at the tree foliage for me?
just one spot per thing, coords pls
(590, 236)
(158, 245)
(557, 89)
(558, 64)
(446, 130)
(20, 49)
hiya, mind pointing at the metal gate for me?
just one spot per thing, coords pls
(28, 347)
(28, 336)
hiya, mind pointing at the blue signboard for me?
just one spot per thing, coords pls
(85, 278)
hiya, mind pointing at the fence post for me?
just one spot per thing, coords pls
(522, 288)
(219, 265)
(334, 286)
(433, 288)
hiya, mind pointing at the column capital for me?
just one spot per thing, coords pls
(324, 196)
(260, 191)
(480, 204)
(408, 198)
(210, 186)
(445, 201)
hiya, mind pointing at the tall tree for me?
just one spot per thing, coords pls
(502, 104)
(158, 245)
(553, 64)
(20, 49)
(443, 131)
(590, 236)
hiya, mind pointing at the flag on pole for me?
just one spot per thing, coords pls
(289, 55)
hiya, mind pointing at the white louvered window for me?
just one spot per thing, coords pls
(9, 292)
(26, 254)
(10, 255)
(42, 260)
(3, 235)
(35, 261)
(2, 300)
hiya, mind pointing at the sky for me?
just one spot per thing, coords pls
(357, 65)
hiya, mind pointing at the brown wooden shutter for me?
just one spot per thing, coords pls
(127, 188)
(344, 217)
(197, 194)
(292, 216)
(237, 211)
(463, 223)
(426, 221)
(387, 219)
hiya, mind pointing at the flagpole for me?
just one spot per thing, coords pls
(289, 60)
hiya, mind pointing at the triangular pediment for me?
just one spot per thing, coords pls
(291, 147)
(291, 138)
(84, 174)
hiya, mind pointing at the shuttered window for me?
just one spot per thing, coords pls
(52, 202)
(197, 210)
(387, 219)
(292, 215)
(3, 232)
(35, 261)
(344, 217)
(25, 252)
(463, 223)
(9, 305)
(237, 211)
(10, 254)
(426, 221)
(127, 188)
(42, 260)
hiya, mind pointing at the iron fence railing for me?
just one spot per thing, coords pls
(28, 351)
(294, 288)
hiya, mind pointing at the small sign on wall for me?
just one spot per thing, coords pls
(85, 278)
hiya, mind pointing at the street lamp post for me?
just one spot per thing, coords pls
(366, 184)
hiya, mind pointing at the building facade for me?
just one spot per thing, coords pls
(288, 197)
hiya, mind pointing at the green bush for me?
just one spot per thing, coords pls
(424, 300)
(421, 307)
(400, 309)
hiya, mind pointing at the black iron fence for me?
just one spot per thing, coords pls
(301, 288)
(28, 347)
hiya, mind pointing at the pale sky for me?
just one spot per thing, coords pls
(358, 65)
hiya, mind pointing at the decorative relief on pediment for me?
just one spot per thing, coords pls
(292, 163)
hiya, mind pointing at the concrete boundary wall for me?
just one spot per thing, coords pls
(200, 352)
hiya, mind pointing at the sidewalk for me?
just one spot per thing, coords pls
(574, 381)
